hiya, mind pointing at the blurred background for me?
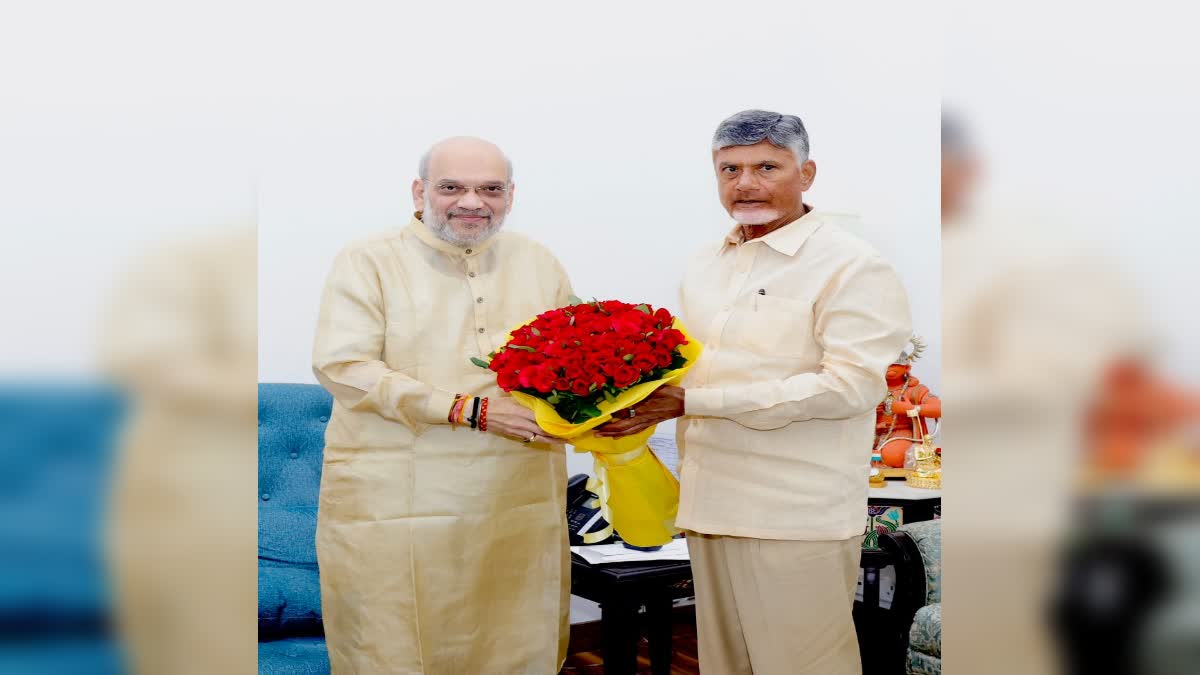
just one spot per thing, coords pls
(128, 368)
(1071, 376)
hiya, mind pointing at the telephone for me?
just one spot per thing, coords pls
(583, 511)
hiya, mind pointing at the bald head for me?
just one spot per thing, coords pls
(464, 190)
(458, 148)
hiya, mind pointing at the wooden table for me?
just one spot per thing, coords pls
(621, 590)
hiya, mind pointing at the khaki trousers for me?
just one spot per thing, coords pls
(767, 607)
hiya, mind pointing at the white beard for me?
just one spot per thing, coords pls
(446, 232)
(755, 216)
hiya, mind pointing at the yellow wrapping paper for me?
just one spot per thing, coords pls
(638, 495)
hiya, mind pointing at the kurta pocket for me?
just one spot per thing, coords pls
(775, 326)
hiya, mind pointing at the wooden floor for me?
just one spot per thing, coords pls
(585, 656)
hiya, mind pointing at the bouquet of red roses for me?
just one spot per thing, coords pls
(578, 356)
(575, 367)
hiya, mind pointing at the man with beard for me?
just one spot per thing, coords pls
(441, 537)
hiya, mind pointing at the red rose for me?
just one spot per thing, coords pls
(508, 380)
(580, 388)
(672, 338)
(612, 367)
(574, 372)
(626, 376)
(624, 347)
(627, 323)
(663, 318)
(556, 349)
(645, 362)
(663, 358)
(539, 378)
(562, 384)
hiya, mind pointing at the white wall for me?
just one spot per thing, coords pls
(134, 125)
(609, 136)
(1105, 158)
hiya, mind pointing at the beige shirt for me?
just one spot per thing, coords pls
(799, 327)
(442, 549)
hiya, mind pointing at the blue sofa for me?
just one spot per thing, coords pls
(291, 438)
(57, 444)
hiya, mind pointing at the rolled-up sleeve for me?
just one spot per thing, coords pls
(348, 350)
(861, 322)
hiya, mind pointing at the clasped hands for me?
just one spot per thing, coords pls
(512, 420)
(666, 403)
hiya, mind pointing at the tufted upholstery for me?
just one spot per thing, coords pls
(291, 437)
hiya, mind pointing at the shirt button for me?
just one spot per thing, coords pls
(478, 299)
(266, 497)
(481, 331)
(295, 455)
(468, 251)
(471, 274)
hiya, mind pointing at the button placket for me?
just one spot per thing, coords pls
(476, 286)
(744, 266)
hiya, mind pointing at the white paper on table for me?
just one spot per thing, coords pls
(603, 554)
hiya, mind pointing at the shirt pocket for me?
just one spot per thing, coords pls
(769, 325)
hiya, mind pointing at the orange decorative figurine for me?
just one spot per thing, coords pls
(898, 419)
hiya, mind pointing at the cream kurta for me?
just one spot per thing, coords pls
(776, 441)
(442, 550)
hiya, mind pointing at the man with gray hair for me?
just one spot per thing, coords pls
(800, 320)
(441, 534)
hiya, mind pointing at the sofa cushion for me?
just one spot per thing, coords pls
(928, 536)
(291, 430)
(289, 601)
(925, 636)
(57, 446)
(287, 535)
(294, 656)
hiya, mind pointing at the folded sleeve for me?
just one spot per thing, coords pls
(348, 350)
(862, 321)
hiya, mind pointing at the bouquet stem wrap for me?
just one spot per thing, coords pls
(638, 495)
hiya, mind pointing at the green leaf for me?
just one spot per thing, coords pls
(480, 362)
(609, 396)
(575, 300)
(553, 399)
(591, 387)
(535, 331)
(643, 308)
(523, 348)
(572, 321)
(589, 411)
(628, 358)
